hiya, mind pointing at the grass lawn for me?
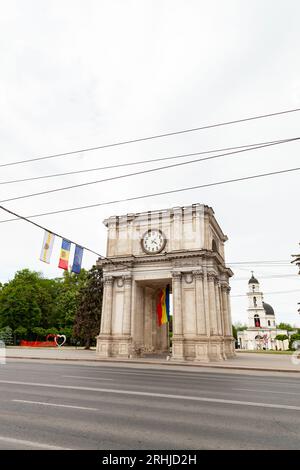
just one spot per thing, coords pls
(263, 352)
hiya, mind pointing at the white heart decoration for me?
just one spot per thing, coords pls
(60, 336)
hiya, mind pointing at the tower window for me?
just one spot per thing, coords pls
(256, 321)
(269, 323)
(254, 301)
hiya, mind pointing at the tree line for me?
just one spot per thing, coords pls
(31, 307)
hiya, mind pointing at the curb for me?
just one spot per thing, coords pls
(172, 364)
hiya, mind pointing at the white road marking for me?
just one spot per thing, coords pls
(267, 391)
(34, 444)
(55, 404)
(88, 378)
(155, 395)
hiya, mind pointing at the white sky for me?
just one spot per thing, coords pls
(79, 74)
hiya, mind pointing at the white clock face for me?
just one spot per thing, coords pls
(153, 241)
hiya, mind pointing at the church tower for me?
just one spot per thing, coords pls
(260, 314)
(256, 312)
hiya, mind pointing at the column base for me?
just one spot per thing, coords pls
(229, 347)
(177, 348)
(114, 346)
(202, 349)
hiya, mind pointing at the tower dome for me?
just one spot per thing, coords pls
(253, 280)
(268, 309)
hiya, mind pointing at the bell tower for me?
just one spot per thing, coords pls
(256, 312)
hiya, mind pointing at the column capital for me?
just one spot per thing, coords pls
(127, 279)
(108, 280)
(224, 285)
(211, 275)
(198, 274)
(176, 275)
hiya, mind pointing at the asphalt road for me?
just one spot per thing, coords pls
(77, 406)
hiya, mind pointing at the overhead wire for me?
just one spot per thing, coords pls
(140, 162)
(20, 217)
(161, 193)
(151, 170)
(152, 137)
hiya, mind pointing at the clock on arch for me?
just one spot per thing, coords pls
(153, 241)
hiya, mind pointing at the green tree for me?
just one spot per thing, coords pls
(293, 338)
(285, 326)
(281, 337)
(67, 299)
(24, 301)
(88, 315)
(6, 335)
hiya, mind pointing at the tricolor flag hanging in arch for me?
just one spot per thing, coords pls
(64, 254)
(47, 247)
(163, 306)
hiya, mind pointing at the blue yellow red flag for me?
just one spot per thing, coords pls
(64, 254)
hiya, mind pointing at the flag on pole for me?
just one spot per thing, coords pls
(47, 247)
(163, 306)
(76, 267)
(64, 254)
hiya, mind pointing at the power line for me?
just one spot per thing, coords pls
(266, 262)
(20, 217)
(151, 170)
(140, 162)
(272, 276)
(268, 293)
(157, 136)
(161, 193)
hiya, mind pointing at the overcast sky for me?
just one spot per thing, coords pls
(78, 74)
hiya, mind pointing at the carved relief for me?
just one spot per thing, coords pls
(188, 277)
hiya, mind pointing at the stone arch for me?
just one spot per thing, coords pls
(199, 280)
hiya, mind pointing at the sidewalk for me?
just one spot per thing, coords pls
(243, 361)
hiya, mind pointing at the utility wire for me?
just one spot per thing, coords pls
(268, 293)
(157, 136)
(20, 217)
(253, 263)
(151, 170)
(161, 193)
(140, 162)
(273, 276)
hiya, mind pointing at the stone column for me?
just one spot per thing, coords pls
(107, 305)
(127, 305)
(206, 303)
(229, 341)
(177, 346)
(148, 313)
(224, 287)
(202, 341)
(104, 340)
(218, 307)
(200, 306)
(229, 310)
(212, 304)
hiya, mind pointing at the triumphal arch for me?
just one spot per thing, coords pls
(182, 248)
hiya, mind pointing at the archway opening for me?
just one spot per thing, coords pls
(153, 328)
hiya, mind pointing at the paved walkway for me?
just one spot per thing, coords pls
(246, 361)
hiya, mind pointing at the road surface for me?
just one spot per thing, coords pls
(82, 406)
